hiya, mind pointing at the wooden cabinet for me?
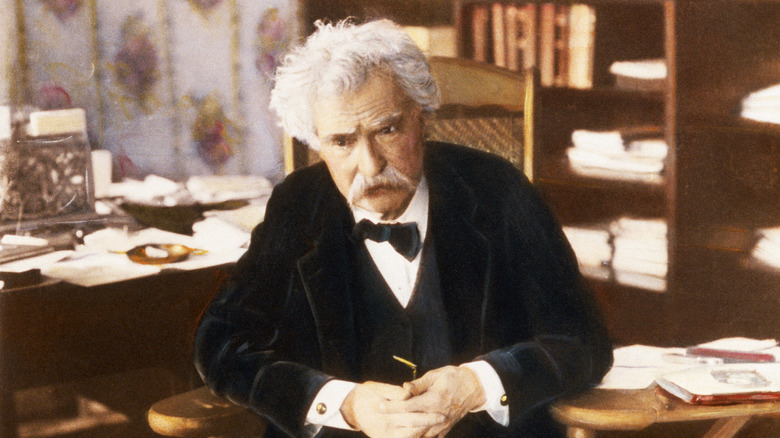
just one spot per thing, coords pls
(722, 176)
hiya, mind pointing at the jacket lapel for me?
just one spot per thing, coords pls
(325, 274)
(463, 256)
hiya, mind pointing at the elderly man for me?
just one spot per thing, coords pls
(393, 257)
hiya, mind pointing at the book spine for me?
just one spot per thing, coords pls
(526, 16)
(499, 35)
(547, 44)
(582, 19)
(479, 27)
(561, 72)
(744, 356)
(513, 39)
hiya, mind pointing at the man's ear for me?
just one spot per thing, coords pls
(425, 118)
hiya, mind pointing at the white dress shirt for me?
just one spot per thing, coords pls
(401, 275)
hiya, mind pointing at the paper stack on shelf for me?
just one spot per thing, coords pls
(767, 249)
(593, 250)
(763, 105)
(640, 258)
(640, 75)
(631, 154)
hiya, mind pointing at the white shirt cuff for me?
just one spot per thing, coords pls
(325, 409)
(494, 391)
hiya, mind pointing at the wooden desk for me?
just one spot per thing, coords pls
(601, 410)
(56, 332)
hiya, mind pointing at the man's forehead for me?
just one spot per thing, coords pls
(375, 103)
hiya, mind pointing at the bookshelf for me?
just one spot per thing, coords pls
(721, 180)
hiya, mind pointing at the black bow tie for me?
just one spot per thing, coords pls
(404, 237)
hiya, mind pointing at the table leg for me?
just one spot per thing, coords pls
(579, 432)
(726, 427)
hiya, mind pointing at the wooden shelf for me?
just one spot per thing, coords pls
(722, 177)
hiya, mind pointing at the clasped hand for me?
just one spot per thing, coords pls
(427, 407)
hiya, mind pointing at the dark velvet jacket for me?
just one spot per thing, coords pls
(282, 326)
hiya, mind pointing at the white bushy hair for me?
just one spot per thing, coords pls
(337, 59)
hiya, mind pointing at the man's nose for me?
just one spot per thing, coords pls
(370, 159)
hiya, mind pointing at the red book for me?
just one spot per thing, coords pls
(734, 355)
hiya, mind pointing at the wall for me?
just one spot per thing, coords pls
(171, 87)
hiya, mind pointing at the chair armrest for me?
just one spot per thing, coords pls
(199, 413)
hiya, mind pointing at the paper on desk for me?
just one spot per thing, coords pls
(637, 366)
(88, 268)
(36, 262)
(224, 246)
(101, 260)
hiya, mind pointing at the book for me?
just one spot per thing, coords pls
(527, 15)
(499, 35)
(547, 44)
(582, 26)
(561, 45)
(724, 384)
(514, 34)
(479, 26)
(738, 349)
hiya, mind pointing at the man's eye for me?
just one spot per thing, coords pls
(388, 129)
(341, 142)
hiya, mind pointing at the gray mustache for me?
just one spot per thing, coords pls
(390, 178)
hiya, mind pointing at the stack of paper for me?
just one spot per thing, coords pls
(593, 250)
(641, 257)
(640, 75)
(767, 249)
(631, 155)
(637, 366)
(728, 383)
(763, 105)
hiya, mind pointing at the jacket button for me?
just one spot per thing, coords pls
(321, 408)
(504, 400)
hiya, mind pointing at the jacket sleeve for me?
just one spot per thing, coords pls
(550, 340)
(246, 340)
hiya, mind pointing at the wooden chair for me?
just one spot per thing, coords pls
(483, 106)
